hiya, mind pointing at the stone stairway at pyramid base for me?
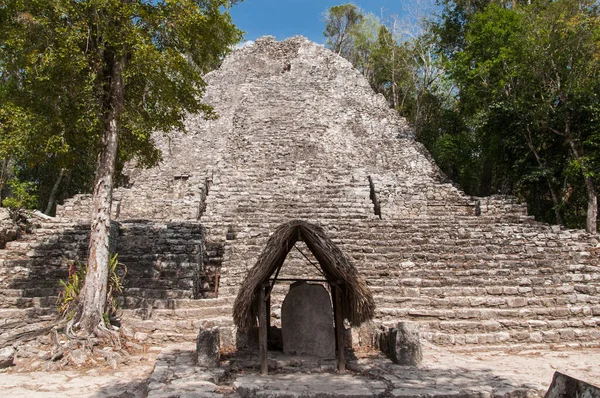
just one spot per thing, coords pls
(468, 282)
(162, 263)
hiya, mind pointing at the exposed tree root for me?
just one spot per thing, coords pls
(25, 334)
(74, 331)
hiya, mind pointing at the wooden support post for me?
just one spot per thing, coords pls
(339, 328)
(268, 312)
(262, 331)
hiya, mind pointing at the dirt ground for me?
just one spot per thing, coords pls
(130, 379)
(536, 366)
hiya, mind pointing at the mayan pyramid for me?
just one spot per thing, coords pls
(301, 135)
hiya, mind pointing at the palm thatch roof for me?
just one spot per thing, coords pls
(357, 302)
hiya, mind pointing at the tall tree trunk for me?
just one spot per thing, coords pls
(93, 295)
(54, 191)
(592, 210)
(3, 178)
(555, 199)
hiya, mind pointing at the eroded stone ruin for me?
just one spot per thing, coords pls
(301, 135)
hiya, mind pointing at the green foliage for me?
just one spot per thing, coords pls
(399, 66)
(527, 77)
(116, 283)
(342, 24)
(68, 298)
(54, 93)
(504, 94)
(22, 195)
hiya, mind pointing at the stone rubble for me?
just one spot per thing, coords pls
(174, 373)
(9, 230)
(441, 375)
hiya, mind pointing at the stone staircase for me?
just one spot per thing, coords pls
(30, 270)
(164, 276)
(469, 282)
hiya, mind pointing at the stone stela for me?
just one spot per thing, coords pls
(307, 321)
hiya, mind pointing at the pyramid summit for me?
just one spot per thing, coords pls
(288, 110)
(302, 136)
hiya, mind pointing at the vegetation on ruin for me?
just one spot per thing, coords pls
(67, 300)
(84, 84)
(504, 94)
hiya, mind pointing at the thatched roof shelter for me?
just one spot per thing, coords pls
(358, 305)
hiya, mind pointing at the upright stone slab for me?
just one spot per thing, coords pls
(7, 356)
(208, 347)
(402, 344)
(407, 346)
(307, 321)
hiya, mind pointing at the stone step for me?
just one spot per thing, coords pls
(28, 313)
(448, 238)
(137, 293)
(189, 326)
(511, 325)
(589, 336)
(516, 347)
(28, 302)
(178, 313)
(491, 296)
(589, 313)
(38, 292)
(132, 302)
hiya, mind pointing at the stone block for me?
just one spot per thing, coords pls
(564, 386)
(208, 346)
(402, 344)
(7, 356)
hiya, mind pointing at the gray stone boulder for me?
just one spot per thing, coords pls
(7, 357)
(564, 386)
(8, 228)
(402, 344)
(208, 347)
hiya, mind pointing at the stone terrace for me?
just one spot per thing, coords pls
(315, 143)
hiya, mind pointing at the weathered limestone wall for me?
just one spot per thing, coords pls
(172, 197)
(163, 261)
(8, 229)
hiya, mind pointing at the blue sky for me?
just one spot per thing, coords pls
(286, 18)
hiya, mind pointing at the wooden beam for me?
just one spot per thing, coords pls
(339, 328)
(300, 280)
(262, 331)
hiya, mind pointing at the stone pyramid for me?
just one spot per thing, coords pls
(301, 135)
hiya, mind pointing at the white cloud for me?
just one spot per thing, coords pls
(244, 44)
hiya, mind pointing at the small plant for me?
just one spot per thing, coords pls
(68, 298)
(116, 283)
(22, 195)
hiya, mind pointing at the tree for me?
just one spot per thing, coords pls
(503, 93)
(341, 24)
(527, 77)
(130, 68)
(564, 50)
